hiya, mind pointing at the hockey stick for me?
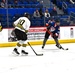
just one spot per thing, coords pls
(61, 47)
(34, 50)
(64, 48)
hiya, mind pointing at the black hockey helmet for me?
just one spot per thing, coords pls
(27, 15)
(57, 22)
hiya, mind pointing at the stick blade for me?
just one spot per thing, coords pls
(39, 54)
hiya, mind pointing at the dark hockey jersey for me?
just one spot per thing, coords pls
(53, 28)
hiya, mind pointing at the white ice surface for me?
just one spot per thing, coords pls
(53, 62)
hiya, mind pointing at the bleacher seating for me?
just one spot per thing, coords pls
(66, 5)
(24, 3)
(67, 8)
(15, 11)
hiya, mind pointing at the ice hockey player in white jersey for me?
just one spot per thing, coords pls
(22, 26)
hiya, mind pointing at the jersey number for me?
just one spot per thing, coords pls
(21, 22)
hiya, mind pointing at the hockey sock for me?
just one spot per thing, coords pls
(23, 49)
(57, 42)
(44, 42)
(18, 45)
(24, 46)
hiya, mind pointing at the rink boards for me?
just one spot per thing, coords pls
(11, 44)
(36, 36)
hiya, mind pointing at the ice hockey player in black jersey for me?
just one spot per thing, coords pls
(53, 29)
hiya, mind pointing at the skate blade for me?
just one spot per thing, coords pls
(22, 54)
(15, 54)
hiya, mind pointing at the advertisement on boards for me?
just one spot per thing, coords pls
(72, 32)
(38, 33)
(33, 34)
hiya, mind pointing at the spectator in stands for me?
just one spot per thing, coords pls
(16, 3)
(41, 13)
(54, 12)
(47, 14)
(36, 13)
(72, 1)
(3, 4)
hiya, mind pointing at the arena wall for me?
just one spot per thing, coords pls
(36, 36)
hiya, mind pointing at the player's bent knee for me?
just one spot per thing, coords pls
(24, 45)
(18, 44)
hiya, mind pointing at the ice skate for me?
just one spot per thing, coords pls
(15, 52)
(24, 53)
(59, 46)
